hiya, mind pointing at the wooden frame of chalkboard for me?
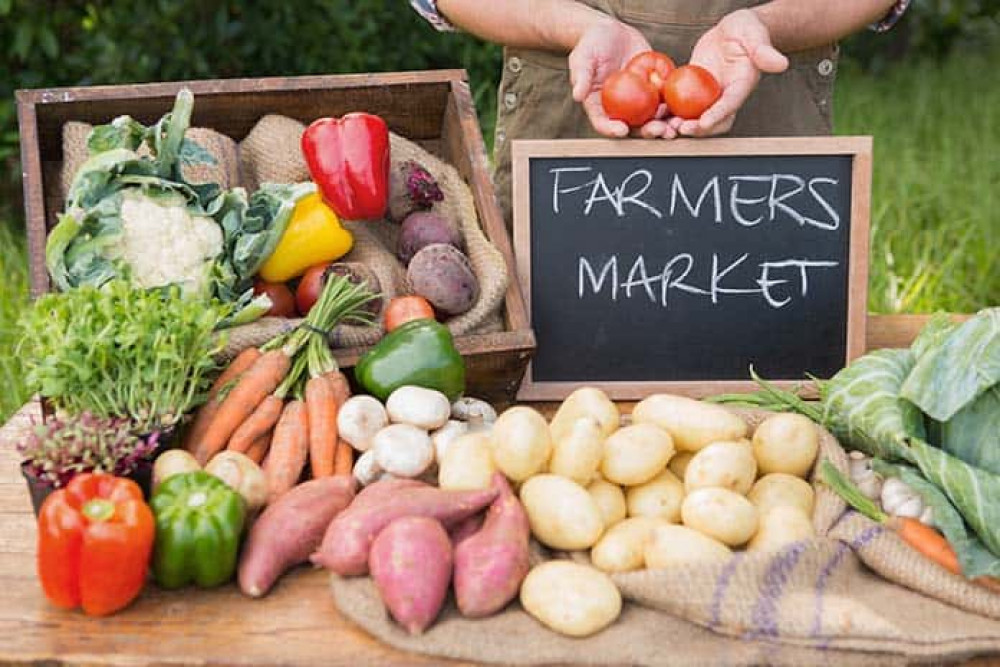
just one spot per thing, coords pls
(842, 333)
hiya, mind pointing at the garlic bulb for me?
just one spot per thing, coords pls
(898, 499)
(927, 517)
(866, 479)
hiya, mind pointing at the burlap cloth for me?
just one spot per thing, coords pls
(271, 153)
(814, 602)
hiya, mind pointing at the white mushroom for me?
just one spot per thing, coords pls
(473, 410)
(403, 450)
(366, 469)
(359, 419)
(446, 435)
(417, 406)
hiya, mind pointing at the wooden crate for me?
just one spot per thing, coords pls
(433, 108)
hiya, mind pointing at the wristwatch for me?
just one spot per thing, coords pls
(429, 11)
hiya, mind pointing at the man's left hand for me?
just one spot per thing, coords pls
(736, 51)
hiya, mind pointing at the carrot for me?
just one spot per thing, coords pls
(341, 387)
(321, 405)
(927, 541)
(253, 387)
(243, 361)
(289, 450)
(259, 423)
(343, 460)
(258, 450)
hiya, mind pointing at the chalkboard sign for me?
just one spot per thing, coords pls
(677, 265)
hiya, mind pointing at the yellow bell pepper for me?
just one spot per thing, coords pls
(314, 235)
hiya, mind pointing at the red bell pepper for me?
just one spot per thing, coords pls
(348, 159)
(95, 537)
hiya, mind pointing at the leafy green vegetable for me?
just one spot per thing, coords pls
(976, 560)
(973, 434)
(133, 216)
(951, 375)
(862, 405)
(933, 334)
(121, 351)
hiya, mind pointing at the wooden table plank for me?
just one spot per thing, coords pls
(298, 623)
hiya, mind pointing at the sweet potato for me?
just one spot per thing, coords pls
(422, 228)
(490, 565)
(465, 529)
(347, 541)
(411, 562)
(442, 274)
(289, 531)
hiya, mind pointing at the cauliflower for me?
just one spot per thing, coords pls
(163, 243)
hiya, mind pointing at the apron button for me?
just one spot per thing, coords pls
(825, 67)
(514, 64)
(510, 101)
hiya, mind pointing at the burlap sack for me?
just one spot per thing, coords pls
(225, 171)
(813, 602)
(271, 153)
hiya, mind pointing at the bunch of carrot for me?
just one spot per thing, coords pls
(278, 403)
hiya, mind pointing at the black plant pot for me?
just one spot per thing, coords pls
(142, 475)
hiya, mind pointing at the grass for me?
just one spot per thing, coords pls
(936, 184)
(936, 181)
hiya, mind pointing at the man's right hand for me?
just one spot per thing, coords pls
(603, 49)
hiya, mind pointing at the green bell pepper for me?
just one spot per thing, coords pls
(420, 352)
(199, 522)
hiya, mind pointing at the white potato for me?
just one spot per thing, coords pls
(577, 454)
(421, 407)
(660, 497)
(403, 450)
(692, 424)
(173, 462)
(729, 465)
(670, 545)
(636, 454)
(621, 548)
(781, 489)
(468, 463)
(679, 463)
(721, 514)
(571, 598)
(447, 434)
(521, 443)
(586, 402)
(610, 501)
(561, 512)
(243, 475)
(779, 527)
(786, 443)
(359, 419)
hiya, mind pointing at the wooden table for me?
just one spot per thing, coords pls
(296, 624)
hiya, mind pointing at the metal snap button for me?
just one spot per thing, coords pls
(825, 67)
(510, 101)
(514, 64)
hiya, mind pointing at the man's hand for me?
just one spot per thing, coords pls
(736, 51)
(603, 49)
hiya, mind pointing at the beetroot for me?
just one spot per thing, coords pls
(411, 188)
(423, 228)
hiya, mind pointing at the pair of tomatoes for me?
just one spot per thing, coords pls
(634, 94)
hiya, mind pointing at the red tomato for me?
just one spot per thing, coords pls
(282, 301)
(310, 286)
(652, 66)
(402, 309)
(690, 90)
(628, 97)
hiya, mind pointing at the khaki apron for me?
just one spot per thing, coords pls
(535, 100)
